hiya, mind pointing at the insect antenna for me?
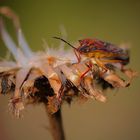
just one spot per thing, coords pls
(65, 42)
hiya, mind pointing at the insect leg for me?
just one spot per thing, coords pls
(77, 56)
(89, 68)
(100, 64)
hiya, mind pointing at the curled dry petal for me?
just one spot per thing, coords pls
(115, 80)
(70, 75)
(28, 85)
(97, 94)
(52, 76)
(16, 106)
(130, 73)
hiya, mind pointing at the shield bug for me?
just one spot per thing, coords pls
(102, 52)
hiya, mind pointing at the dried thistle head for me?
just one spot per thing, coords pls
(54, 76)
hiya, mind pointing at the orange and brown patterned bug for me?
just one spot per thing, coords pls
(102, 52)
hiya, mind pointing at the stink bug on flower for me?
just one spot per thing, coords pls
(54, 76)
(102, 52)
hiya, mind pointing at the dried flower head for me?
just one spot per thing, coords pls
(54, 76)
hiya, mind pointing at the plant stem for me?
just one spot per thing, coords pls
(3, 134)
(56, 125)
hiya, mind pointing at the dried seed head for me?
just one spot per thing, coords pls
(54, 76)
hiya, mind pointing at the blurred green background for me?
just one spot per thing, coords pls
(114, 21)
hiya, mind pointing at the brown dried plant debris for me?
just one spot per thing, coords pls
(52, 76)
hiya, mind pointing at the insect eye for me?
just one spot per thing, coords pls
(85, 49)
